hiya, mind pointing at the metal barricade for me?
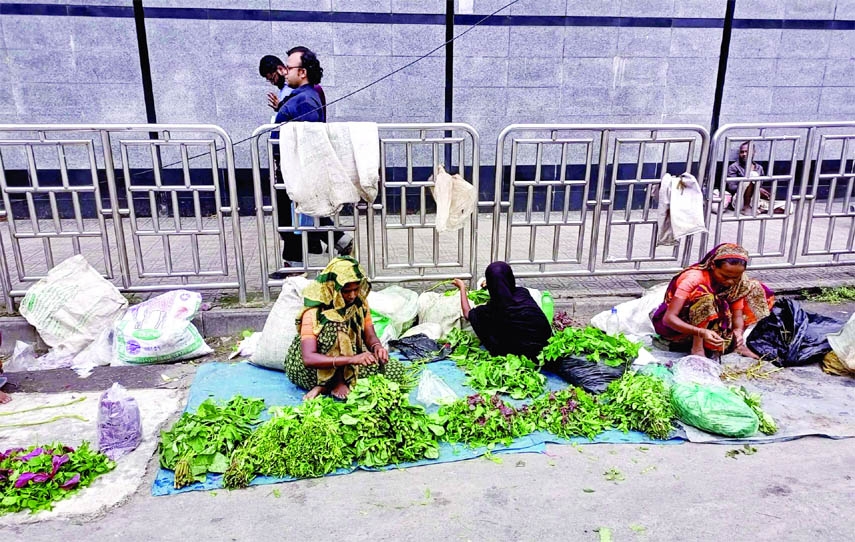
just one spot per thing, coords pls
(600, 183)
(794, 208)
(53, 178)
(400, 241)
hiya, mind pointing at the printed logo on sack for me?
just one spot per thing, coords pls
(147, 334)
(132, 347)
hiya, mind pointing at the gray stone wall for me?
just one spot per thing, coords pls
(86, 69)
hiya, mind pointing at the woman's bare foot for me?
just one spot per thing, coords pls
(745, 351)
(314, 392)
(4, 397)
(340, 391)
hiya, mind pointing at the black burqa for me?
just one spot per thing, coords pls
(511, 322)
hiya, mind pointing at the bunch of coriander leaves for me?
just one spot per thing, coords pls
(34, 478)
(302, 442)
(202, 442)
(594, 344)
(514, 375)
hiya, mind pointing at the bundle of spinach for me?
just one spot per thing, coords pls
(642, 403)
(35, 478)
(571, 412)
(754, 400)
(382, 427)
(200, 443)
(479, 297)
(595, 344)
(483, 420)
(517, 376)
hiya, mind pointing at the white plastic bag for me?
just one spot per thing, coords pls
(431, 330)
(23, 358)
(697, 370)
(160, 330)
(119, 424)
(634, 315)
(455, 200)
(72, 305)
(399, 305)
(433, 390)
(440, 309)
(280, 328)
(100, 352)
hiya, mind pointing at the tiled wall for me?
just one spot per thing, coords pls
(580, 61)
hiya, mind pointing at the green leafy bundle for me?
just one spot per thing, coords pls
(517, 376)
(200, 443)
(382, 427)
(595, 344)
(35, 478)
(571, 412)
(305, 442)
(482, 420)
(479, 297)
(642, 403)
(754, 400)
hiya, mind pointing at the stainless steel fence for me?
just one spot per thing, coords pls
(795, 208)
(137, 203)
(581, 200)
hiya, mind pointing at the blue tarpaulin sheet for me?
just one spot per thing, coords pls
(222, 381)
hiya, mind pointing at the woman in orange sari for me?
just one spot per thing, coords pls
(709, 304)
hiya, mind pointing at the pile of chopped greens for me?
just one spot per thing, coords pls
(34, 478)
(516, 376)
(200, 443)
(594, 344)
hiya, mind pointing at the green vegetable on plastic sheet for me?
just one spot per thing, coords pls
(514, 375)
(754, 400)
(596, 345)
(483, 420)
(714, 409)
(381, 426)
(201, 442)
(571, 412)
(303, 442)
(642, 403)
(35, 478)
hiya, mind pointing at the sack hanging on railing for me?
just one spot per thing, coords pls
(681, 208)
(325, 166)
(455, 200)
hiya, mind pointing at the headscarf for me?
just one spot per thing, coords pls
(511, 322)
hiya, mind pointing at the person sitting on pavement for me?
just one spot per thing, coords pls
(732, 188)
(337, 343)
(709, 304)
(511, 322)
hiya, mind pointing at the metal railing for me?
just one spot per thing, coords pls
(600, 183)
(154, 204)
(800, 193)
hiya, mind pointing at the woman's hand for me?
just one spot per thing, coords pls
(713, 338)
(459, 284)
(381, 353)
(365, 358)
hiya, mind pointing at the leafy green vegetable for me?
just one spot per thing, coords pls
(382, 427)
(571, 412)
(35, 478)
(479, 297)
(517, 376)
(482, 420)
(595, 344)
(754, 400)
(200, 443)
(640, 402)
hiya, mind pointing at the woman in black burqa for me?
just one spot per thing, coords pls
(511, 322)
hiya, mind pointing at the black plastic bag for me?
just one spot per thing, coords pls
(791, 335)
(580, 371)
(419, 347)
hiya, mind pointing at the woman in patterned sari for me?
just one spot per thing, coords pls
(709, 304)
(336, 341)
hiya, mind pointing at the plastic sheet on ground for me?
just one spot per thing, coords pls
(222, 381)
(108, 490)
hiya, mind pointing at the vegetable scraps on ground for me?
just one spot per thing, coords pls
(35, 478)
(200, 443)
